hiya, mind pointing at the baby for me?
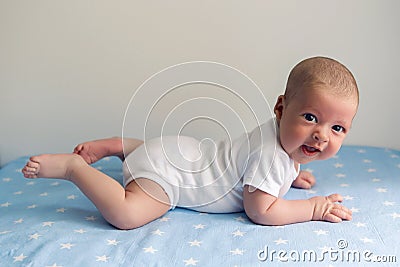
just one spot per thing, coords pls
(252, 173)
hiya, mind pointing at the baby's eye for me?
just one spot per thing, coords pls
(310, 117)
(338, 128)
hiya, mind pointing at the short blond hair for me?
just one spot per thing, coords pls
(321, 72)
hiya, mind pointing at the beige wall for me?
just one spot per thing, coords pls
(69, 68)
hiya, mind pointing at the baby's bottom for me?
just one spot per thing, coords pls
(125, 208)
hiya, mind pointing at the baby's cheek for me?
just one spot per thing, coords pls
(330, 151)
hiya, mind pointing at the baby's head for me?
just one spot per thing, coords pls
(316, 112)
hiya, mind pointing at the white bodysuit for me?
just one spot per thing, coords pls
(210, 178)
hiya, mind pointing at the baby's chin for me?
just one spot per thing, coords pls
(301, 158)
(304, 161)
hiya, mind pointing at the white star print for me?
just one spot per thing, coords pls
(7, 179)
(344, 185)
(240, 219)
(71, 197)
(281, 241)
(32, 206)
(90, 218)
(338, 165)
(359, 224)
(112, 242)
(45, 194)
(7, 204)
(366, 240)
(190, 261)
(371, 170)
(237, 251)
(55, 184)
(238, 233)
(321, 232)
(393, 156)
(381, 190)
(34, 236)
(80, 231)
(376, 180)
(30, 183)
(199, 226)
(367, 161)
(165, 219)
(340, 175)
(61, 210)
(54, 265)
(19, 258)
(348, 197)
(47, 224)
(195, 243)
(150, 250)
(389, 203)
(18, 193)
(158, 232)
(66, 245)
(103, 258)
(19, 220)
(361, 151)
(5, 232)
(395, 215)
(354, 210)
(311, 191)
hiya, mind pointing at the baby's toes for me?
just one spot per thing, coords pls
(31, 169)
(28, 169)
(32, 164)
(29, 172)
(78, 148)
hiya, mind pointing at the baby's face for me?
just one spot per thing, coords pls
(313, 125)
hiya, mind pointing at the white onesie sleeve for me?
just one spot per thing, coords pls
(273, 174)
(268, 168)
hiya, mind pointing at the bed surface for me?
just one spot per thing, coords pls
(45, 222)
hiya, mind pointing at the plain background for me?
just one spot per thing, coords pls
(68, 69)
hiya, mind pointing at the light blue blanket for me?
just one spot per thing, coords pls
(46, 222)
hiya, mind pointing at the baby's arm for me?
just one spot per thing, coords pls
(263, 208)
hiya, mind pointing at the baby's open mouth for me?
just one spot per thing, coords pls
(309, 150)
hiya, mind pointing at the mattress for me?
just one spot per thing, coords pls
(46, 222)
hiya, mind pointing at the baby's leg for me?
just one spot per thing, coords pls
(93, 151)
(124, 208)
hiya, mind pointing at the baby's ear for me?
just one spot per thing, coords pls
(279, 106)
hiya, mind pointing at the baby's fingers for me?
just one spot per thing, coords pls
(338, 213)
(332, 218)
(335, 198)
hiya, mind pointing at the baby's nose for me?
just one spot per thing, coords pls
(320, 136)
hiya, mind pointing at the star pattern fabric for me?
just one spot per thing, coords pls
(45, 222)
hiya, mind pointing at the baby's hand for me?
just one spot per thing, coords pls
(305, 180)
(325, 209)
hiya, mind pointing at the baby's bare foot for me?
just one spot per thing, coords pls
(51, 166)
(95, 150)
